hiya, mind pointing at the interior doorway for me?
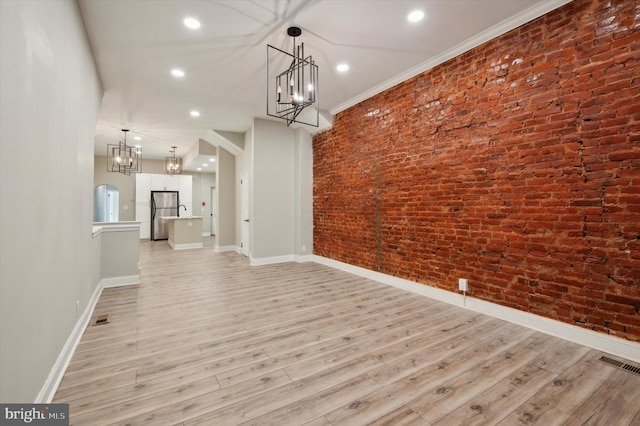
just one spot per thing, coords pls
(106, 203)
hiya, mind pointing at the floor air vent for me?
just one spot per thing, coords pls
(101, 319)
(614, 362)
(632, 368)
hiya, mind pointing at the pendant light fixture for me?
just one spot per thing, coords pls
(122, 158)
(173, 164)
(295, 87)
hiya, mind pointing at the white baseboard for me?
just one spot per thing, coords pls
(300, 258)
(260, 261)
(120, 281)
(188, 246)
(48, 391)
(281, 259)
(185, 246)
(600, 341)
(221, 249)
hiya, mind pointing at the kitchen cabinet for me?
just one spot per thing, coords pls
(185, 188)
(165, 182)
(143, 187)
(143, 193)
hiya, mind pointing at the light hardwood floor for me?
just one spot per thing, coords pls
(206, 339)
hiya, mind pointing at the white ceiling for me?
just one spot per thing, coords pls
(136, 43)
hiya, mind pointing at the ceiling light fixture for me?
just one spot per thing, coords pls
(123, 158)
(415, 16)
(195, 113)
(342, 67)
(173, 164)
(177, 73)
(290, 91)
(192, 23)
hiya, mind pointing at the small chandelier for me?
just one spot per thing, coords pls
(173, 164)
(290, 91)
(123, 158)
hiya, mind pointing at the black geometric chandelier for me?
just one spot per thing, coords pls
(123, 158)
(173, 164)
(295, 86)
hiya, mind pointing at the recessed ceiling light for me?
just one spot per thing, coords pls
(195, 113)
(177, 73)
(342, 67)
(415, 16)
(204, 165)
(192, 23)
(138, 138)
(198, 169)
(212, 159)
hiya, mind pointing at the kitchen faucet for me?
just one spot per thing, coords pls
(181, 205)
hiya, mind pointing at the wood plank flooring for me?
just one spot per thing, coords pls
(206, 339)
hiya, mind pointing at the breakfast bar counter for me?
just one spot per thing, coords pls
(184, 232)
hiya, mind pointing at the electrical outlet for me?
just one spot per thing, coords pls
(463, 284)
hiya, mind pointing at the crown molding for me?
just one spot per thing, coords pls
(503, 27)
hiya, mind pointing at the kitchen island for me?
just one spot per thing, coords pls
(184, 232)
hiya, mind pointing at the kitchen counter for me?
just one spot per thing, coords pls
(185, 232)
(180, 217)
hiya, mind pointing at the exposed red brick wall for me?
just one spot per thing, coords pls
(515, 165)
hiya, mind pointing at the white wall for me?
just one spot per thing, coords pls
(272, 196)
(279, 160)
(226, 186)
(303, 193)
(50, 94)
(122, 250)
(244, 164)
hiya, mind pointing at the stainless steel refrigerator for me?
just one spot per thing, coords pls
(163, 203)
